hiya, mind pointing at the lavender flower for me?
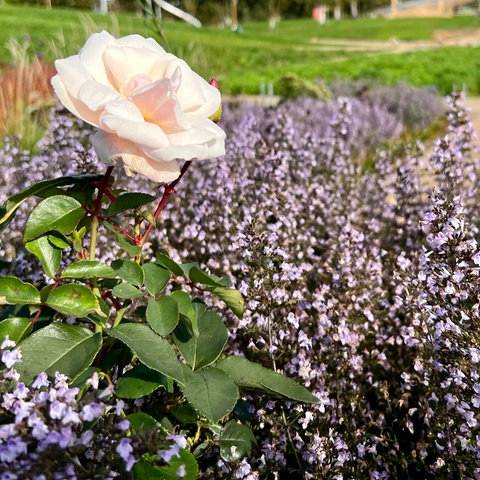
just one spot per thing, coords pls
(361, 281)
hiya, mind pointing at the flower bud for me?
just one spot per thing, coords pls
(218, 114)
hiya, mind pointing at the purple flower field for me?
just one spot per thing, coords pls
(358, 257)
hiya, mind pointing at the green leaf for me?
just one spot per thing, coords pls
(45, 291)
(132, 250)
(146, 471)
(252, 376)
(232, 298)
(202, 349)
(236, 441)
(148, 216)
(58, 240)
(156, 278)
(151, 349)
(162, 315)
(129, 271)
(139, 382)
(197, 275)
(88, 269)
(59, 213)
(186, 308)
(169, 264)
(15, 292)
(201, 450)
(80, 381)
(185, 414)
(142, 422)
(169, 472)
(69, 349)
(185, 304)
(186, 267)
(49, 255)
(76, 239)
(211, 392)
(127, 291)
(72, 299)
(10, 205)
(129, 201)
(16, 328)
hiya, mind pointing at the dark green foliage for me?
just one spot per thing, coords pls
(291, 85)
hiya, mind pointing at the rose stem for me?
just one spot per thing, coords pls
(96, 210)
(168, 190)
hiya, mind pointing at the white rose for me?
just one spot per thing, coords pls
(149, 106)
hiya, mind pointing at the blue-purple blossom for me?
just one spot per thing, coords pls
(125, 449)
(92, 411)
(167, 454)
(181, 471)
(11, 357)
(41, 381)
(47, 419)
(11, 449)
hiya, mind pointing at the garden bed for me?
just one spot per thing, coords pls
(360, 283)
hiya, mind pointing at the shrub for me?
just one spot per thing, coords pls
(292, 86)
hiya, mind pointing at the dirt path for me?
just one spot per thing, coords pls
(440, 39)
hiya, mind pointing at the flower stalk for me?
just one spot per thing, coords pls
(169, 188)
(94, 220)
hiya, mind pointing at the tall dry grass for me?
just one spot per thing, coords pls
(25, 92)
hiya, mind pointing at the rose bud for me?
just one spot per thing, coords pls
(218, 114)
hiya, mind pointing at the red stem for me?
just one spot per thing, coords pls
(102, 189)
(40, 310)
(118, 229)
(168, 190)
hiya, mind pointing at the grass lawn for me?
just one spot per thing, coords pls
(242, 61)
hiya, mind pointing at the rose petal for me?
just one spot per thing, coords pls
(123, 63)
(146, 135)
(74, 85)
(137, 41)
(200, 134)
(77, 107)
(186, 152)
(113, 150)
(190, 92)
(212, 99)
(201, 143)
(72, 73)
(96, 96)
(124, 109)
(91, 56)
(198, 98)
(157, 171)
(158, 104)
